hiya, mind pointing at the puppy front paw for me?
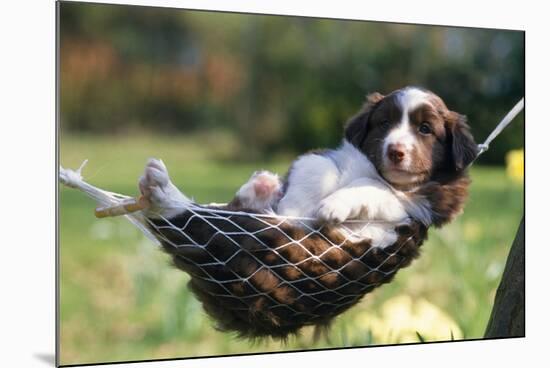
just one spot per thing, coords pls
(333, 211)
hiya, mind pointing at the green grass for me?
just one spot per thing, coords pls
(121, 299)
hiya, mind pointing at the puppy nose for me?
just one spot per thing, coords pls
(396, 153)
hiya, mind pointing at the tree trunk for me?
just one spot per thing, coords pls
(508, 315)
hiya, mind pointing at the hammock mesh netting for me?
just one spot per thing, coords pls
(267, 275)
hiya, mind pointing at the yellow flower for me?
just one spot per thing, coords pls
(515, 164)
(402, 317)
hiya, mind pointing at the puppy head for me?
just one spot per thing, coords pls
(411, 137)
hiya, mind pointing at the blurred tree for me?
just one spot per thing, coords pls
(276, 83)
(508, 314)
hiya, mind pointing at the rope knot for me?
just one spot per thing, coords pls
(71, 178)
(482, 148)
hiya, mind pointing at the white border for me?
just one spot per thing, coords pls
(27, 180)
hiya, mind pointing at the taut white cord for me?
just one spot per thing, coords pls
(500, 127)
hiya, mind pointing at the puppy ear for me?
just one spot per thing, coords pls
(356, 127)
(464, 148)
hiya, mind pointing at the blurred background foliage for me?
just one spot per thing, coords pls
(274, 84)
(219, 95)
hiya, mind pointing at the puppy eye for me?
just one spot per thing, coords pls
(385, 123)
(425, 128)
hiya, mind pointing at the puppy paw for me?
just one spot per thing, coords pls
(260, 193)
(157, 188)
(333, 211)
(267, 186)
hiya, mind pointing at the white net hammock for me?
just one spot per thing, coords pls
(261, 274)
(268, 275)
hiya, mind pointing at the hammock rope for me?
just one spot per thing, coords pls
(508, 118)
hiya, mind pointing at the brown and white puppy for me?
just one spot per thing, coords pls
(403, 156)
(420, 147)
